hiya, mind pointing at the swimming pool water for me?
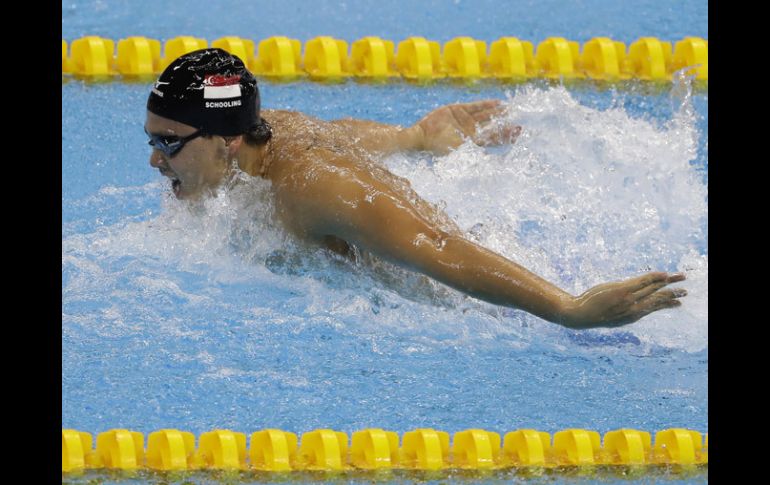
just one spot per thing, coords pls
(210, 317)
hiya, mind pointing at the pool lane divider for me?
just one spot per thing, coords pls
(370, 449)
(414, 58)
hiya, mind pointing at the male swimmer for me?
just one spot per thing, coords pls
(204, 121)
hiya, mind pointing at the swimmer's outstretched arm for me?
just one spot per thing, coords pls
(350, 204)
(438, 132)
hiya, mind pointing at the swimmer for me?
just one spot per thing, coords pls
(204, 122)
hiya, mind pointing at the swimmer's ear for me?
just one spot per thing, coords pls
(233, 143)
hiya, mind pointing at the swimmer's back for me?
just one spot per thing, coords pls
(302, 145)
(296, 132)
(305, 149)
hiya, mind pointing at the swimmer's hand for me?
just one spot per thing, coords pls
(623, 302)
(447, 127)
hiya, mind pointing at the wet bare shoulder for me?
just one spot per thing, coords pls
(300, 139)
(296, 130)
(292, 128)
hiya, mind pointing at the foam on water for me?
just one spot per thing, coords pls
(583, 197)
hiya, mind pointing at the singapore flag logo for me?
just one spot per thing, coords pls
(216, 86)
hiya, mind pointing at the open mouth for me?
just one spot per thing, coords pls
(176, 185)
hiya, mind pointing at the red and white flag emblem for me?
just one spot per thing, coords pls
(216, 86)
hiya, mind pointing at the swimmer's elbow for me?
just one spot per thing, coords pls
(434, 241)
(434, 252)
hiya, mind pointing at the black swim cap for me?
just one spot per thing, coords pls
(208, 89)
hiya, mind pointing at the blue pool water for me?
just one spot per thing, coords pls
(211, 317)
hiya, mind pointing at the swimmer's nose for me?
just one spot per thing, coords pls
(157, 160)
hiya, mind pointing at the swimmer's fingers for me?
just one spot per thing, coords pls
(652, 282)
(492, 129)
(646, 296)
(445, 128)
(464, 119)
(476, 107)
(653, 278)
(659, 300)
(624, 302)
(484, 110)
(497, 134)
(487, 113)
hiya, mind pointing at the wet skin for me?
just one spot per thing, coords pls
(328, 188)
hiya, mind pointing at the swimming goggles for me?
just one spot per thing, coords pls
(171, 144)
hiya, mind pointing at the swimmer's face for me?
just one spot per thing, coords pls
(199, 166)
